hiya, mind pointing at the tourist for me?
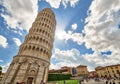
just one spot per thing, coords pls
(110, 82)
(64, 82)
(41, 82)
(21, 83)
(79, 81)
(113, 81)
(106, 82)
(17, 83)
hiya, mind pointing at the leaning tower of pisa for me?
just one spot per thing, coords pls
(31, 63)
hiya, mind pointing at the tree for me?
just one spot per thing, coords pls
(0, 70)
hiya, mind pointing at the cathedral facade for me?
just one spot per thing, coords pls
(31, 63)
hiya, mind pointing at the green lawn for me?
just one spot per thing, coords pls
(68, 82)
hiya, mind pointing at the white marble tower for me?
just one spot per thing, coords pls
(31, 63)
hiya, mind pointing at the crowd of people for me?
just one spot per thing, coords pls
(110, 81)
(104, 80)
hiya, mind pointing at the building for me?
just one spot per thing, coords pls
(82, 70)
(31, 63)
(109, 71)
(66, 70)
(92, 74)
(113, 70)
(74, 72)
(53, 71)
(63, 70)
(100, 71)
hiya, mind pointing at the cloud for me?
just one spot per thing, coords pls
(18, 32)
(68, 55)
(20, 15)
(98, 59)
(1, 61)
(73, 2)
(3, 41)
(73, 58)
(54, 66)
(75, 37)
(67, 58)
(5, 67)
(102, 32)
(74, 26)
(17, 41)
(54, 3)
(57, 3)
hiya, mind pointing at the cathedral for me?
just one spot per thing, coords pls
(31, 63)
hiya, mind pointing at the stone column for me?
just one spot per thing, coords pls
(39, 75)
(46, 74)
(25, 75)
(12, 73)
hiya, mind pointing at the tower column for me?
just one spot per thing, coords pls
(46, 74)
(40, 74)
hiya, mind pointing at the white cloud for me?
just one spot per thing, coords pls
(5, 67)
(17, 41)
(74, 26)
(67, 58)
(97, 59)
(20, 15)
(73, 2)
(57, 3)
(54, 3)
(68, 55)
(102, 32)
(54, 66)
(74, 58)
(18, 32)
(3, 41)
(75, 37)
(1, 61)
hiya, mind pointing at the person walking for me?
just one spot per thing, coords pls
(41, 82)
(79, 81)
(64, 82)
(106, 82)
(113, 81)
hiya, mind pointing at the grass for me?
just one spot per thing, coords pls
(68, 82)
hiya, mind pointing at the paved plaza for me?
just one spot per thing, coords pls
(93, 82)
(100, 82)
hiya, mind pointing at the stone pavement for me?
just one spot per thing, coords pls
(93, 82)
(100, 82)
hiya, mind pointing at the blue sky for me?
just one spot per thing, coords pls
(87, 31)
